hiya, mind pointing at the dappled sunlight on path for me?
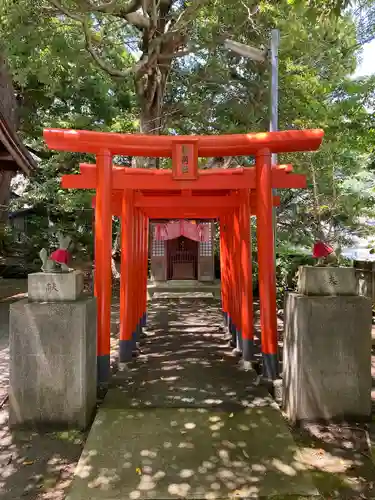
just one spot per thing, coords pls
(189, 453)
(183, 420)
(185, 361)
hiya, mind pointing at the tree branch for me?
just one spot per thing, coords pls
(83, 20)
(132, 6)
(99, 61)
(111, 7)
(71, 15)
(186, 15)
(127, 12)
(137, 20)
(180, 53)
(139, 68)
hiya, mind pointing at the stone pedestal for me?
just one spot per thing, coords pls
(52, 361)
(327, 352)
(327, 281)
(55, 287)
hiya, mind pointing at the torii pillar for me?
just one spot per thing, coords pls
(103, 257)
(266, 262)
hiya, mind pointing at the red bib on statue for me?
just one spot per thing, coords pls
(321, 250)
(61, 256)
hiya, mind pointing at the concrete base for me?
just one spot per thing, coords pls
(327, 280)
(327, 358)
(233, 333)
(248, 349)
(239, 344)
(270, 366)
(225, 319)
(52, 363)
(126, 348)
(104, 370)
(55, 287)
(274, 387)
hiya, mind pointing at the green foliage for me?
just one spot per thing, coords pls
(287, 264)
(219, 92)
(58, 85)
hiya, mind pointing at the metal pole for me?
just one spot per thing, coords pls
(274, 104)
(275, 41)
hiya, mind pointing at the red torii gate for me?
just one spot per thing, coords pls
(185, 192)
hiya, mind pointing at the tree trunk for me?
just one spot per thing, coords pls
(115, 251)
(8, 102)
(5, 180)
(150, 90)
(150, 123)
(318, 230)
(8, 106)
(150, 118)
(115, 273)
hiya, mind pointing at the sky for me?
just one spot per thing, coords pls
(367, 67)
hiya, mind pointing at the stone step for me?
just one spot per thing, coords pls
(181, 283)
(183, 295)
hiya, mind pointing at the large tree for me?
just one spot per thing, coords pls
(153, 33)
(9, 112)
(143, 38)
(75, 65)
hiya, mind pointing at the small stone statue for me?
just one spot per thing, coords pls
(324, 254)
(58, 261)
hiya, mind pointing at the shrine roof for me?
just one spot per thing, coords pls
(13, 154)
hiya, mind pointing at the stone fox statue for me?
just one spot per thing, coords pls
(58, 261)
(324, 254)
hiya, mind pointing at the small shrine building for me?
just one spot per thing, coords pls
(182, 250)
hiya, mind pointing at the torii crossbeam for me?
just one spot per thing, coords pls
(185, 192)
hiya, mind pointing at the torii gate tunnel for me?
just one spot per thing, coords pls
(231, 196)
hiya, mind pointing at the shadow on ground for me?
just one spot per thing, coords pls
(35, 466)
(185, 361)
(201, 428)
(183, 420)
